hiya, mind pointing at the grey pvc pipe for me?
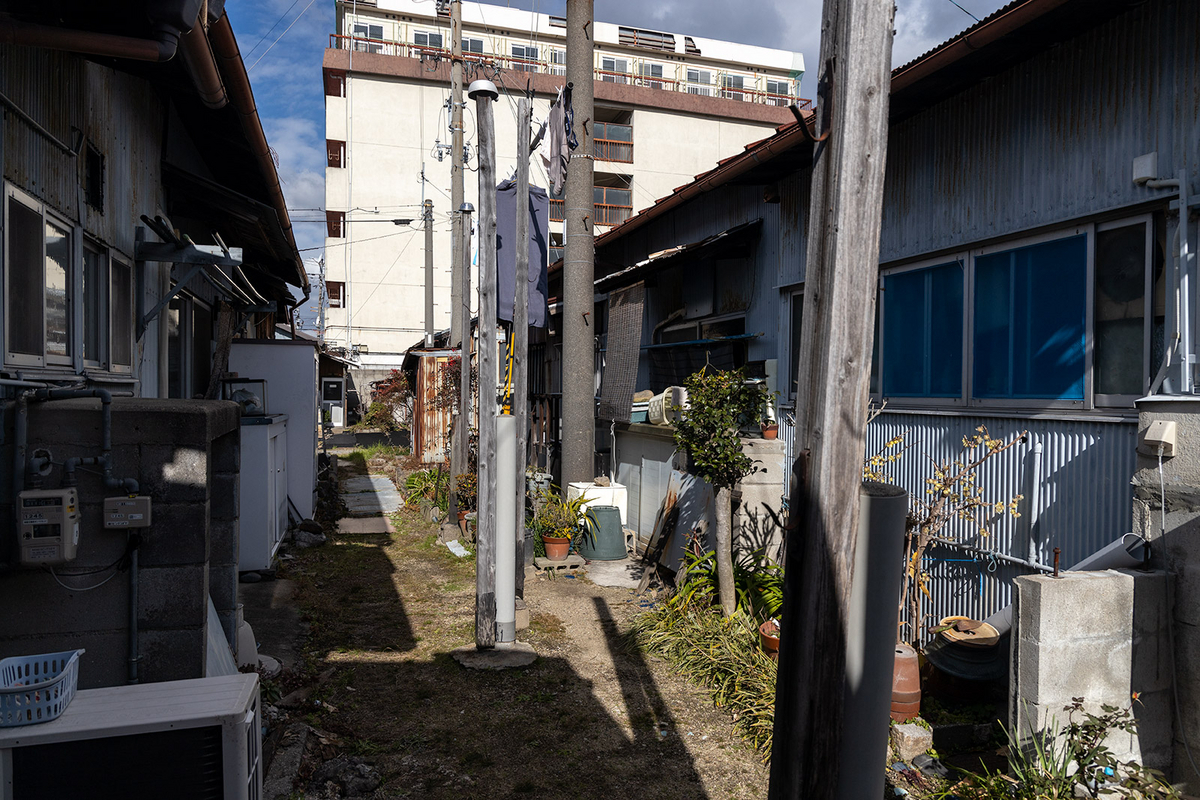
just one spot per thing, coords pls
(871, 638)
(506, 529)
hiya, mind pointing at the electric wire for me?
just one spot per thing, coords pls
(271, 30)
(288, 28)
(379, 283)
(54, 575)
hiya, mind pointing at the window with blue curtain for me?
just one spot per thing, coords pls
(1030, 317)
(923, 332)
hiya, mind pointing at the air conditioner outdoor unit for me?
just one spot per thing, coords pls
(179, 739)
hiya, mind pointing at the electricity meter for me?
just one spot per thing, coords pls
(49, 526)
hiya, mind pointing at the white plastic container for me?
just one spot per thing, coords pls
(661, 410)
(612, 495)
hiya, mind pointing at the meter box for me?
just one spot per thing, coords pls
(127, 512)
(49, 526)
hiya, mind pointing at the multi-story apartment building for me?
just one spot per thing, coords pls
(667, 106)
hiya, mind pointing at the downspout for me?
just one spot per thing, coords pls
(202, 67)
(161, 48)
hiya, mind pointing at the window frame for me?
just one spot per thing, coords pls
(1108, 400)
(341, 297)
(47, 215)
(962, 401)
(105, 328)
(109, 351)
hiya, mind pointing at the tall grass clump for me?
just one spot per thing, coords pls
(718, 652)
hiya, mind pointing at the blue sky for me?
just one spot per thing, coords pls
(283, 43)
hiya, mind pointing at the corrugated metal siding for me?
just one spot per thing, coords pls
(1050, 140)
(1086, 499)
(49, 87)
(793, 207)
(125, 121)
(431, 423)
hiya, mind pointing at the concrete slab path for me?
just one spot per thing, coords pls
(368, 495)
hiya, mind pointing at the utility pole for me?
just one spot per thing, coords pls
(845, 208)
(484, 94)
(578, 325)
(520, 400)
(460, 322)
(429, 273)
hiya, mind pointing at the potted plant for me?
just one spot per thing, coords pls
(467, 488)
(770, 430)
(558, 521)
(768, 636)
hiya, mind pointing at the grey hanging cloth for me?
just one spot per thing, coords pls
(624, 347)
(561, 125)
(506, 252)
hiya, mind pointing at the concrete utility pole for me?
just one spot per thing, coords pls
(460, 322)
(842, 272)
(484, 94)
(429, 273)
(578, 325)
(520, 399)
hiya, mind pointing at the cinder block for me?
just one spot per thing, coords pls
(172, 655)
(59, 611)
(222, 588)
(179, 535)
(1075, 606)
(225, 497)
(172, 597)
(175, 474)
(223, 541)
(226, 452)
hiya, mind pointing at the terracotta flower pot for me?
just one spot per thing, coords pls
(906, 684)
(768, 636)
(556, 548)
(770, 431)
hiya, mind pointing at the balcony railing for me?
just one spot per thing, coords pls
(500, 61)
(603, 213)
(610, 150)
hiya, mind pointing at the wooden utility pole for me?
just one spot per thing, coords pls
(842, 271)
(520, 399)
(460, 321)
(428, 273)
(484, 93)
(578, 326)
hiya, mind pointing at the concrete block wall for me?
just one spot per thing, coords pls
(1100, 636)
(1177, 551)
(175, 449)
(758, 516)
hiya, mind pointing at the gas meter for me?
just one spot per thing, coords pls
(49, 526)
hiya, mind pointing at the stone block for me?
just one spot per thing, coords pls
(172, 597)
(226, 452)
(1054, 672)
(223, 541)
(225, 497)
(1075, 607)
(223, 588)
(178, 535)
(910, 740)
(59, 611)
(174, 474)
(172, 655)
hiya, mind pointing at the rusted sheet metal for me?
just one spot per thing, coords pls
(49, 87)
(431, 424)
(1051, 139)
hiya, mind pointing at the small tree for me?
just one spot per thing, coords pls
(389, 400)
(719, 403)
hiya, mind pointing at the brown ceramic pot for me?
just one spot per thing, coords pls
(906, 684)
(770, 431)
(556, 549)
(768, 636)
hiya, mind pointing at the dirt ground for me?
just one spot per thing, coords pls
(594, 717)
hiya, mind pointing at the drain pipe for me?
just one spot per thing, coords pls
(129, 485)
(161, 48)
(133, 614)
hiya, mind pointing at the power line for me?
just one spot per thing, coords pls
(272, 29)
(968, 13)
(288, 28)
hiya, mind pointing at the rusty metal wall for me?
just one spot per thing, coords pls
(1086, 499)
(50, 87)
(1051, 139)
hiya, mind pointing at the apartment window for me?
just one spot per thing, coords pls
(93, 178)
(699, 82)
(427, 43)
(38, 282)
(923, 331)
(369, 32)
(472, 45)
(613, 205)
(335, 224)
(1128, 311)
(337, 293)
(524, 58)
(614, 70)
(336, 152)
(778, 93)
(1030, 315)
(731, 87)
(651, 72)
(558, 62)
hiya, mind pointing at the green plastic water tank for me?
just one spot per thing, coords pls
(606, 540)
